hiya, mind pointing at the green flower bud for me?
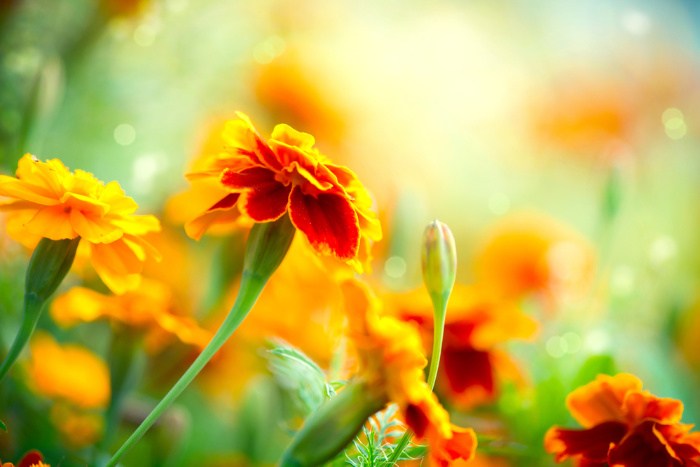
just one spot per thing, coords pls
(439, 260)
(267, 246)
(48, 266)
(333, 426)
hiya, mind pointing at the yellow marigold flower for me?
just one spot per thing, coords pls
(391, 360)
(151, 306)
(68, 372)
(50, 201)
(78, 428)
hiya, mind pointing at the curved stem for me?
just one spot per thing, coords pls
(251, 286)
(32, 310)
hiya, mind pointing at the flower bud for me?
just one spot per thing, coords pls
(333, 426)
(49, 264)
(267, 246)
(439, 260)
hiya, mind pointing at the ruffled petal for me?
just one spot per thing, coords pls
(328, 221)
(94, 229)
(592, 444)
(266, 203)
(255, 178)
(601, 400)
(223, 211)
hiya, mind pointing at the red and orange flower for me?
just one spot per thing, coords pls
(263, 180)
(624, 426)
(391, 360)
(477, 322)
(30, 459)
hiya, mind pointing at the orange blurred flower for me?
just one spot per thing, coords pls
(531, 253)
(624, 426)
(263, 180)
(391, 360)
(78, 428)
(150, 307)
(475, 324)
(293, 92)
(68, 372)
(49, 201)
(30, 459)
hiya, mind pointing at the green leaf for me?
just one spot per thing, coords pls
(594, 366)
(2, 425)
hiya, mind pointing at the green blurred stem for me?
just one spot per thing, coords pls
(440, 310)
(251, 286)
(125, 369)
(32, 311)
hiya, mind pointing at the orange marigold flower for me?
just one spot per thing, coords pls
(475, 324)
(391, 360)
(624, 426)
(266, 179)
(530, 253)
(68, 372)
(49, 201)
(151, 306)
(30, 459)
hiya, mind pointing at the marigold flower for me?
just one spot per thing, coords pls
(391, 360)
(624, 426)
(151, 306)
(477, 322)
(51, 202)
(30, 459)
(530, 253)
(68, 372)
(266, 179)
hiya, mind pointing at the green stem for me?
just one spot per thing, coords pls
(251, 286)
(440, 310)
(31, 314)
(126, 367)
(438, 332)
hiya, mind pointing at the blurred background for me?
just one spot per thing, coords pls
(559, 140)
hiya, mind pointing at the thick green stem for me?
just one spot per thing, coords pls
(251, 286)
(31, 314)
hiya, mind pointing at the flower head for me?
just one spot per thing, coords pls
(624, 425)
(264, 180)
(476, 324)
(150, 307)
(30, 459)
(68, 372)
(49, 201)
(391, 360)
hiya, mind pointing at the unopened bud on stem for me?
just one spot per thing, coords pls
(439, 259)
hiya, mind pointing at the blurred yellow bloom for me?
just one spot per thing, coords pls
(475, 324)
(78, 428)
(68, 372)
(49, 201)
(391, 360)
(151, 307)
(530, 253)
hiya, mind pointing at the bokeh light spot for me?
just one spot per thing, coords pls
(572, 342)
(636, 22)
(269, 49)
(596, 342)
(395, 267)
(124, 134)
(556, 346)
(661, 250)
(622, 280)
(145, 35)
(499, 204)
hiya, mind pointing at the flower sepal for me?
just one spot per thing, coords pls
(333, 426)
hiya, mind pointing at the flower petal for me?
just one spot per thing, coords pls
(601, 400)
(94, 229)
(592, 444)
(52, 222)
(266, 203)
(328, 221)
(220, 212)
(248, 179)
